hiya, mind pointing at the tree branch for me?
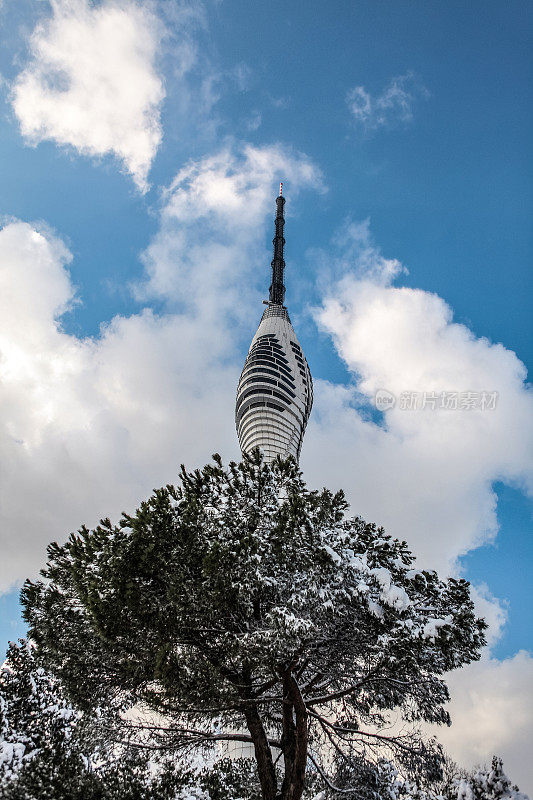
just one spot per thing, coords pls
(326, 780)
(393, 741)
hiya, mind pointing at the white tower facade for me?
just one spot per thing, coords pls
(275, 392)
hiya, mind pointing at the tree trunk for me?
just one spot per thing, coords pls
(295, 739)
(288, 737)
(263, 755)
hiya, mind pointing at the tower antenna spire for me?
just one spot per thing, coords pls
(277, 286)
(272, 414)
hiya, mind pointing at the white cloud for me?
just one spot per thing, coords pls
(393, 106)
(90, 426)
(427, 474)
(492, 714)
(92, 82)
(217, 205)
(493, 611)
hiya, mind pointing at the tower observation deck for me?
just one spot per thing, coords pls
(275, 391)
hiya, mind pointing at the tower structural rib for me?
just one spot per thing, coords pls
(275, 391)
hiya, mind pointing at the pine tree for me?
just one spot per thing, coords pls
(386, 783)
(239, 606)
(49, 750)
(486, 784)
(357, 780)
(34, 717)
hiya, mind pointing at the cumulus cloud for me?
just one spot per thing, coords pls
(92, 82)
(426, 473)
(492, 713)
(217, 205)
(90, 426)
(392, 107)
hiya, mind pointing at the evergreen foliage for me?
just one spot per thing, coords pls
(487, 784)
(386, 783)
(239, 606)
(51, 751)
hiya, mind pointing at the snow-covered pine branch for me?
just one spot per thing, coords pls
(240, 601)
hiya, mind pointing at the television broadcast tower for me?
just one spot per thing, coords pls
(275, 391)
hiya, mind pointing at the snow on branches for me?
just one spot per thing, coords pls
(241, 606)
(33, 712)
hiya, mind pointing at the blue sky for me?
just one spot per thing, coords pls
(415, 116)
